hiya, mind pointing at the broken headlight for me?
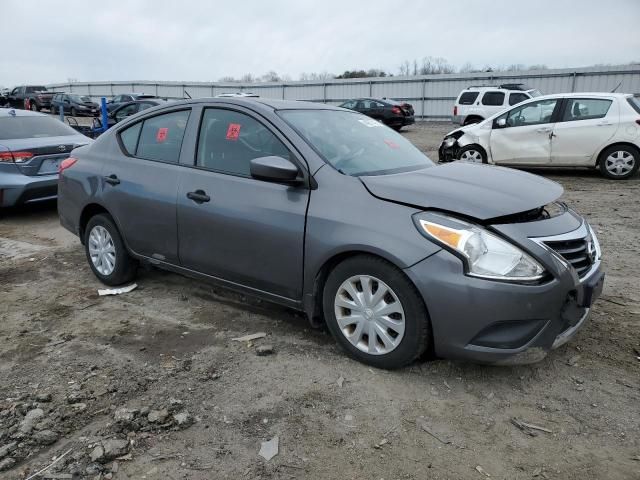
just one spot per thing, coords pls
(485, 254)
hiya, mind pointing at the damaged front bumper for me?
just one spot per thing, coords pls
(448, 150)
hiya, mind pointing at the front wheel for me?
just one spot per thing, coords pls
(33, 106)
(73, 112)
(472, 153)
(106, 253)
(619, 162)
(375, 313)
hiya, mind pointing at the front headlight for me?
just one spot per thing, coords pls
(449, 141)
(486, 255)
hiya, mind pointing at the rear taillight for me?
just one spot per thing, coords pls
(17, 157)
(455, 110)
(67, 163)
(396, 110)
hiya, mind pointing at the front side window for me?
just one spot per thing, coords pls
(493, 98)
(585, 109)
(229, 140)
(355, 144)
(160, 137)
(533, 113)
(35, 89)
(467, 98)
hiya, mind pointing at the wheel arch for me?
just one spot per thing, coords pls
(89, 211)
(473, 116)
(615, 144)
(312, 302)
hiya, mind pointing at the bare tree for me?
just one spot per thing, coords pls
(405, 68)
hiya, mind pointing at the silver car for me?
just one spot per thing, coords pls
(32, 146)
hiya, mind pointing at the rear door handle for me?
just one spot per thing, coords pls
(199, 196)
(543, 130)
(604, 124)
(112, 180)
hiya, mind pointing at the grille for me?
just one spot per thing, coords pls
(576, 252)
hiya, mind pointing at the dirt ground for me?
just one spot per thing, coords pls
(157, 369)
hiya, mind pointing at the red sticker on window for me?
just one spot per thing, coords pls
(161, 136)
(233, 132)
(391, 144)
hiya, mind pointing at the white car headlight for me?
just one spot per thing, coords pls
(449, 141)
(486, 255)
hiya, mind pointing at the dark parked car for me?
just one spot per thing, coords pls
(37, 95)
(390, 112)
(118, 100)
(74, 105)
(32, 147)
(127, 109)
(322, 210)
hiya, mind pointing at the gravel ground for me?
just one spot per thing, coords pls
(150, 384)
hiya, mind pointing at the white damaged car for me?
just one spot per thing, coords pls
(594, 130)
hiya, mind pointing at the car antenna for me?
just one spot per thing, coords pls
(617, 86)
(187, 94)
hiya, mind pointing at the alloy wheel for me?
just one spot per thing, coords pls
(102, 250)
(471, 156)
(619, 163)
(369, 314)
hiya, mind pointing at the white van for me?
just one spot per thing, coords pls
(476, 103)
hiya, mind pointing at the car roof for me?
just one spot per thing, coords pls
(5, 112)
(260, 102)
(583, 94)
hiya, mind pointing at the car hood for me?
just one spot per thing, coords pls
(480, 191)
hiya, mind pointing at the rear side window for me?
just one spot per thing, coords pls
(129, 138)
(351, 104)
(157, 138)
(229, 140)
(493, 98)
(467, 98)
(517, 97)
(585, 109)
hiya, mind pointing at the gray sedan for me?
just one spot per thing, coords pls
(330, 212)
(32, 146)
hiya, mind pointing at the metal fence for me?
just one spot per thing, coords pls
(431, 95)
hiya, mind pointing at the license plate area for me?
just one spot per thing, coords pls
(49, 166)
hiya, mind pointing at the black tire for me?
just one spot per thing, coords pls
(125, 268)
(628, 152)
(73, 112)
(397, 128)
(473, 148)
(33, 106)
(417, 331)
(52, 109)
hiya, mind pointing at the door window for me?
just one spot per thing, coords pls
(229, 140)
(160, 137)
(351, 104)
(585, 109)
(533, 113)
(493, 98)
(467, 98)
(517, 97)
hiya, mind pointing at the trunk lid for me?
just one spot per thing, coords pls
(482, 192)
(47, 153)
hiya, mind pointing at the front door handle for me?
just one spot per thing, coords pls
(112, 179)
(199, 196)
(604, 124)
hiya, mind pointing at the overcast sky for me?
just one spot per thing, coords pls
(200, 40)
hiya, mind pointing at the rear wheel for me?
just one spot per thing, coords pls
(375, 313)
(472, 153)
(106, 253)
(472, 119)
(619, 162)
(73, 112)
(397, 128)
(33, 106)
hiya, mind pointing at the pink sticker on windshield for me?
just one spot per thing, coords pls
(161, 136)
(233, 132)
(391, 144)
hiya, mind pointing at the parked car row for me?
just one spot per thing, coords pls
(390, 112)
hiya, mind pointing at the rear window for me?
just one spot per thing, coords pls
(493, 98)
(635, 103)
(33, 127)
(467, 98)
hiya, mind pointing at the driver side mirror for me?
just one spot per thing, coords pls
(500, 123)
(274, 169)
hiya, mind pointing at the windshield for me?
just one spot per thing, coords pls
(634, 102)
(12, 128)
(355, 144)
